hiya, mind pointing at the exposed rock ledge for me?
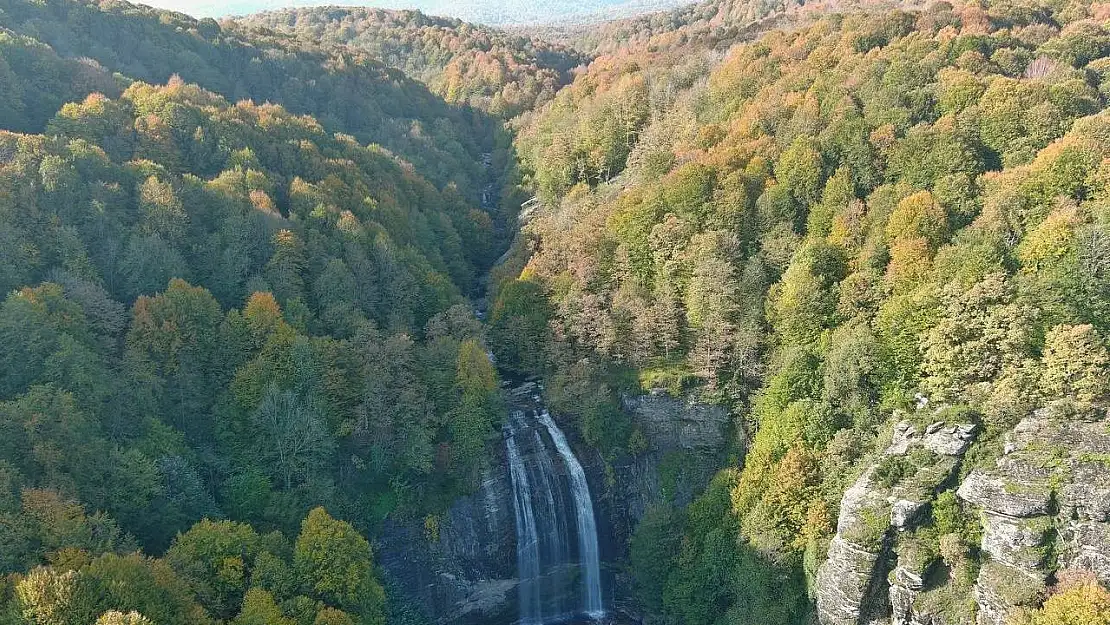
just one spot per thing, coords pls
(1048, 495)
(852, 584)
(1044, 508)
(677, 422)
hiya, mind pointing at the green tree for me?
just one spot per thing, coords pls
(334, 563)
(214, 557)
(260, 608)
(136, 583)
(178, 335)
(395, 415)
(652, 552)
(519, 331)
(115, 617)
(801, 173)
(1076, 364)
(983, 330)
(284, 271)
(479, 408)
(331, 616)
(162, 213)
(918, 216)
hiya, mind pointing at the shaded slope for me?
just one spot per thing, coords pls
(464, 63)
(346, 90)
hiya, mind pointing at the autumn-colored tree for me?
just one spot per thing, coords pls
(1076, 364)
(1082, 602)
(115, 617)
(334, 563)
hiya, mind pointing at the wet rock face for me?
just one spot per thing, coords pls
(468, 575)
(1047, 498)
(478, 532)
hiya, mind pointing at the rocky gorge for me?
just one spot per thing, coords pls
(466, 570)
(1036, 502)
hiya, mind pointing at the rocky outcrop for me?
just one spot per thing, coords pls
(848, 584)
(685, 441)
(671, 423)
(864, 580)
(1045, 503)
(464, 571)
(1043, 507)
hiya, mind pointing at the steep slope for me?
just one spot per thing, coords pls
(346, 90)
(856, 215)
(156, 184)
(221, 318)
(465, 64)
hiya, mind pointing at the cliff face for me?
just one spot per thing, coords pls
(863, 580)
(467, 574)
(1043, 507)
(1045, 504)
(685, 440)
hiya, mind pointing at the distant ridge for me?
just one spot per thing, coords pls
(487, 12)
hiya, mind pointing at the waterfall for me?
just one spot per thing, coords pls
(588, 552)
(558, 551)
(527, 543)
(559, 573)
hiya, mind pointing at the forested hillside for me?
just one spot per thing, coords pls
(822, 229)
(485, 68)
(229, 312)
(239, 264)
(701, 25)
(346, 90)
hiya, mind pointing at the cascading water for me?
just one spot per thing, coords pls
(584, 512)
(527, 542)
(560, 573)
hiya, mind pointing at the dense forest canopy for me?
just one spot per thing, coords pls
(485, 68)
(227, 310)
(344, 89)
(494, 13)
(816, 228)
(240, 262)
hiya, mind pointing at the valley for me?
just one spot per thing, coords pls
(728, 313)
